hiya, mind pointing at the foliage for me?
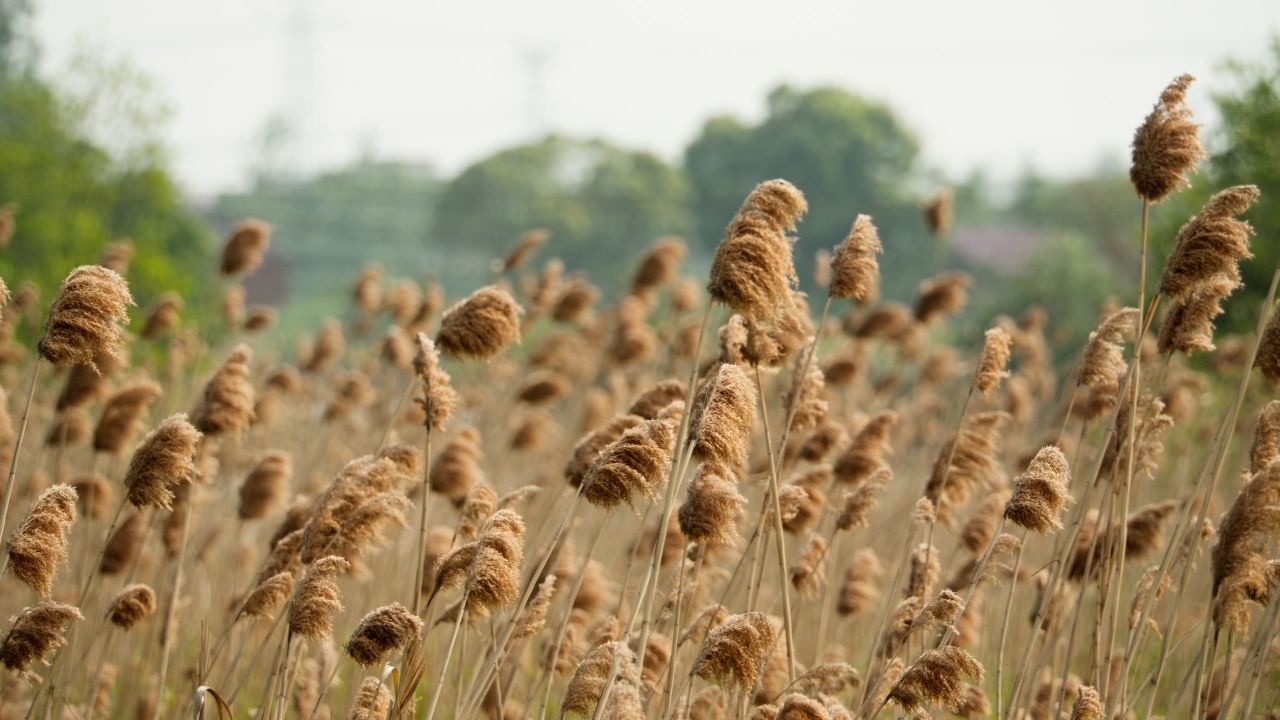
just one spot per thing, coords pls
(602, 204)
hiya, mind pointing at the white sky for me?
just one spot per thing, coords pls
(1055, 84)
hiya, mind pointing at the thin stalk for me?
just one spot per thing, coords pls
(416, 591)
(778, 529)
(172, 611)
(17, 446)
(444, 665)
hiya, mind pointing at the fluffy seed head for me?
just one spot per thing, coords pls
(121, 414)
(753, 271)
(227, 405)
(373, 700)
(439, 398)
(735, 651)
(40, 544)
(1210, 245)
(1041, 493)
(941, 295)
(1103, 362)
(480, 326)
(85, 318)
(994, 359)
(34, 633)
(937, 678)
(164, 460)
(131, 605)
(381, 632)
(317, 598)
(711, 510)
(659, 265)
(722, 415)
(245, 246)
(265, 486)
(1166, 146)
(636, 463)
(855, 273)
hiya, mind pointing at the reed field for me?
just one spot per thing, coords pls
(714, 497)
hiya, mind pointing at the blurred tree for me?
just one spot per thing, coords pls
(1244, 151)
(15, 45)
(601, 203)
(848, 154)
(71, 196)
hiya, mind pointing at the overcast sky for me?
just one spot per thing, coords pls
(1000, 85)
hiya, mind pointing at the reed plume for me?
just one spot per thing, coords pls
(95, 494)
(855, 273)
(69, 429)
(317, 598)
(868, 451)
(753, 271)
(227, 404)
(244, 248)
(657, 398)
(131, 605)
(659, 266)
(34, 633)
(972, 454)
(1188, 325)
(480, 326)
(164, 460)
(936, 678)
(1210, 246)
(722, 415)
(439, 400)
(163, 316)
(1238, 559)
(711, 510)
(122, 546)
(1166, 146)
(994, 360)
(265, 486)
(85, 319)
(1266, 438)
(941, 295)
(40, 544)
(939, 212)
(457, 467)
(382, 632)
(589, 447)
(327, 348)
(1041, 493)
(121, 414)
(589, 679)
(373, 700)
(1103, 364)
(637, 462)
(734, 652)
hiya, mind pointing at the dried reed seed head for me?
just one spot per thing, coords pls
(1268, 360)
(575, 301)
(722, 415)
(735, 651)
(980, 528)
(973, 453)
(798, 707)
(85, 319)
(812, 499)
(941, 295)
(122, 546)
(1103, 364)
(265, 486)
(481, 325)
(994, 360)
(942, 612)
(855, 272)
(163, 315)
(804, 402)
(1188, 325)
(85, 383)
(809, 572)
(1041, 493)
(1210, 246)
(131, 605)
(1088, 705)
(936, 678)
(1238, 558)
(381, 632)
(589, 679)
(245, 247)
(269, 594)
(659, 266)
(164, 460)
(707, 704)
(1266, 438)
(40, 544)
(259, 318)
(34, 633)
(96, 494)
(476, 508)
(868, 451)
(535, 616)
(826, 438)
(1166, 145)
(753, 271)
(589, 447)
(637, 462)
(317, 598)
(233, 306)
(373, 700)
(656, 398)
(121, 414)
(457, 467)
(366, 292)
(859, 503)
(69, 428)
(939, 212)
(924, 570)
(325, 349)
(395, 348)
(523, 248)
(543, 387)
(227, 404)
(712, 507)
(439, 399)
